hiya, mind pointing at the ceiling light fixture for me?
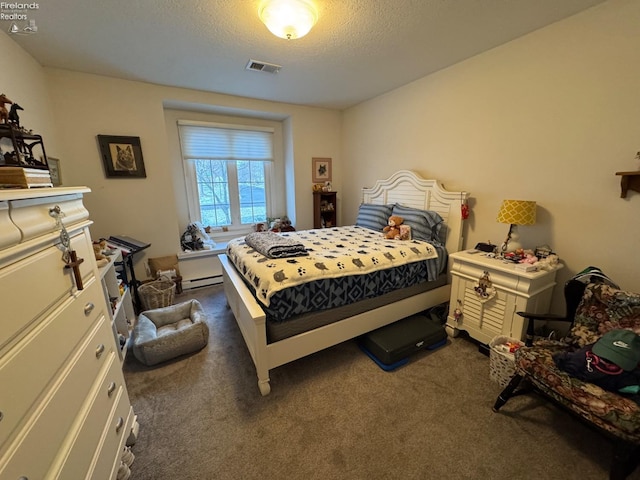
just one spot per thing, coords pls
(288, 19)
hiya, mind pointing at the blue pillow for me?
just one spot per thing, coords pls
(426, 225)
(373, 216)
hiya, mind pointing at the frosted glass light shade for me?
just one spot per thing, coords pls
(288, 19)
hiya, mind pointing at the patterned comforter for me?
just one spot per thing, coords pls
(333, 252)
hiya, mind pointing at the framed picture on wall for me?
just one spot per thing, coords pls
(121, 156)
(321, 170)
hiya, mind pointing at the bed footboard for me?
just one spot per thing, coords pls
(251, 319)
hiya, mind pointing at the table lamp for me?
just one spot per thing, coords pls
(516, 212)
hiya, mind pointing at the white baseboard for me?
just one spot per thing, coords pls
(201, 268)
(201, 282)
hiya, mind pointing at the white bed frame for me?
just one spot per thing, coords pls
(403, 187)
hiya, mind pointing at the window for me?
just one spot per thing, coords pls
(227, 170)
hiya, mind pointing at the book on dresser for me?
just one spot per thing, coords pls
(25, 177)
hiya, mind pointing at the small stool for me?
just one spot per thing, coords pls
(165, 333)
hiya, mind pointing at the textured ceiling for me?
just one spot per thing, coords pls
(358, 49)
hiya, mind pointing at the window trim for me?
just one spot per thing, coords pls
(191, 183)
(228, 126)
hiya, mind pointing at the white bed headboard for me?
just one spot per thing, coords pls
(408, 189)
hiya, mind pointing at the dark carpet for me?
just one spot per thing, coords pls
(337, 415)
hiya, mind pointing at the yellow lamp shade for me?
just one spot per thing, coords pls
(517, 212)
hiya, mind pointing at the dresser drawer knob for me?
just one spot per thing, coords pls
(99, 350)
(119, 424)
(88, 308)
(111, 388)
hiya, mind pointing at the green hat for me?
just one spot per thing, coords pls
(621, 347)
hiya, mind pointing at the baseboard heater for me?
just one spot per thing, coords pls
(190, 283)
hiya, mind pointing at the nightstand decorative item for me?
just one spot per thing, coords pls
(514, 213)
(486, 293)
(484, 289)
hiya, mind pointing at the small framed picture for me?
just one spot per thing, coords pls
(121, 156)
(321, 170)
(54, 171)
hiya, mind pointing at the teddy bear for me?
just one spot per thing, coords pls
(548, 263)
(101, 259)
(392, 230)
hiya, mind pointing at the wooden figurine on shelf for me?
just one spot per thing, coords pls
(4, 113)
(14, 118)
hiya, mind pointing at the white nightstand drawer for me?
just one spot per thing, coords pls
(48, 284)
(34, 449)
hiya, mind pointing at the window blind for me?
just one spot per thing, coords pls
(223, 143)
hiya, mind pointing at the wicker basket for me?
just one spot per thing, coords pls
(157, 294)
(502, 364)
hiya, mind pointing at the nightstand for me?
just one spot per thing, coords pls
(493, 312)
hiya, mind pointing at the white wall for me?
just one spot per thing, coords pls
(153, 209)
(23, 83)
(549, 117)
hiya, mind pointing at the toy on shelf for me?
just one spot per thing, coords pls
(14, 118)
(99, 252)
(4, 113)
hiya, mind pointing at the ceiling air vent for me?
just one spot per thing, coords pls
(258, 66)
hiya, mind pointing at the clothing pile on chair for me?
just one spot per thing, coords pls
(611, 362)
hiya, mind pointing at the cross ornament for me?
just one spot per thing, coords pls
(69, 256)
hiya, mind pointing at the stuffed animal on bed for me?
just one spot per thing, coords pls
(392, 230)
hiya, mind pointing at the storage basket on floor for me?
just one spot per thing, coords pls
(502, 363)
(157, 294)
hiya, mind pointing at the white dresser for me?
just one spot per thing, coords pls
(511, 291)
(64, 407)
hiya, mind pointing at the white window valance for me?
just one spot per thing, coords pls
(212, 141)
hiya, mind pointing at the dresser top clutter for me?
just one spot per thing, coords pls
(23, 161)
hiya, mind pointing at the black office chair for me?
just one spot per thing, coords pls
(573, 291)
